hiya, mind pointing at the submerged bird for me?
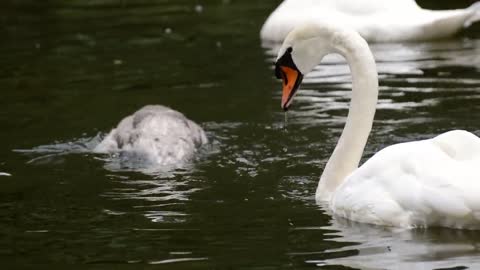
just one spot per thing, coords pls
(155, 135)
(375, 20)
(434, 182)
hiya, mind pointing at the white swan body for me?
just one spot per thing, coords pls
(416, 184)
(434, 182)
(375, 20)
(155, 135)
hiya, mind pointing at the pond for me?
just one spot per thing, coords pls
(71, 70)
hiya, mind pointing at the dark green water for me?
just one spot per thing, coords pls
(70, 71)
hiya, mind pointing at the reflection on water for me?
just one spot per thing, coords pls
(390, 248)
(161, 200)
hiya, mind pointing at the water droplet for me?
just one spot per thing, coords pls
(168, 30)
(117, 62)
(199, 8)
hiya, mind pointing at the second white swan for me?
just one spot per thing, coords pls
(434, 182)
(375, 20)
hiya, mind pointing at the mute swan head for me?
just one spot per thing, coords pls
(303, 48)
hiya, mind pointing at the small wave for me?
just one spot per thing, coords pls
(80, 145)
(169, 261)
(115, 162)
(50, 153)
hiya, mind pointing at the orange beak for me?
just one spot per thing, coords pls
(291, 81)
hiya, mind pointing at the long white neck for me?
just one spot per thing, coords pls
(348, 152)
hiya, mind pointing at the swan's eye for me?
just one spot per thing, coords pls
(289, 49)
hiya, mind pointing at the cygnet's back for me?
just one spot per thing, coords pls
(155, 135)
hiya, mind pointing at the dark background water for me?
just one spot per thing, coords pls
(70, 70)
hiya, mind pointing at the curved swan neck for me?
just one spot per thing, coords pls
(349, 149)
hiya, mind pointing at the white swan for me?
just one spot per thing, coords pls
(375, 20)
(155, 135)
(433, 182)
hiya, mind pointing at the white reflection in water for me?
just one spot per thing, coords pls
(159, 200)
(391, 248)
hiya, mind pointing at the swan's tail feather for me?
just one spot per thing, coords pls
(475, 7)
